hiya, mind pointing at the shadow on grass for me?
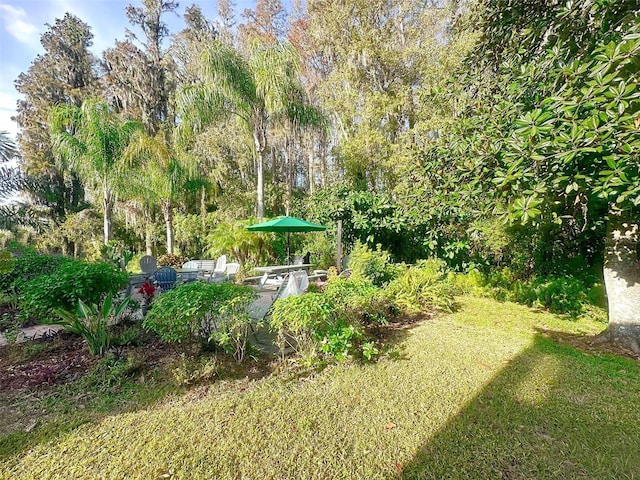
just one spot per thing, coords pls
(552, 412)
(41, 415)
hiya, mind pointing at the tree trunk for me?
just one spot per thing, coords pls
(148, 238)
(622, 281)
(168, 220)
(288, 189)
(311, 169)
(107, 207)
(260, 149)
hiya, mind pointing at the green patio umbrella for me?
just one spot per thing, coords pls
(288, 225)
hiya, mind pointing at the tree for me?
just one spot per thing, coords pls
(156, 176)
(259, 92)
(556, 121)
(91, 140)
(373, 61)
(139, 80)
(64, 74)
(11, 182)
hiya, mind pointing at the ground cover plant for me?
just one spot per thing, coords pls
(492, 390)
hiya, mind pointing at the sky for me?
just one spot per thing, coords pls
(23, 21)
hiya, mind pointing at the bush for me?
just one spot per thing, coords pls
(374, 265)
(28, 266)
(172, 260)
(421, 287)
(73, 280)
(357, 299)
(313, 323)
(299, 320)
(203, 312)
(559, 295)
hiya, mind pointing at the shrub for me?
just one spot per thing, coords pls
(28, 266)
(92, 323)
(559, 295)
(313, 323)
(7, 263)
(172, 260)
(357, 299)
(299, 320)
(73, 280)
(203, 312)
(422, 287)
(374, 265)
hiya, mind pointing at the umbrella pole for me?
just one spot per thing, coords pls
(288, 252)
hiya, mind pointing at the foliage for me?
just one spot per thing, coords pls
(302, 318)
(92, 323)
(189, 370)
(80, 236)
(197, 311)
(116, 253)
(249, 248)
(330, 323)
(91, 139)
(65, 73)
(27, 266)
(171, 260)
(7, 263)
(358, 300)
(147, 290)
(72, 281)
(420, 287)
(374, 265)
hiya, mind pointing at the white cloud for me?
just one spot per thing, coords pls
(14, 22)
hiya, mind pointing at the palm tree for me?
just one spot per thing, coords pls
(157, 175)
(91, 139)
(259, 91)
(10, 183)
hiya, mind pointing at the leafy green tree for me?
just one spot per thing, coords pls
(156, 176)
(256, 91)
(555, 129)
(91, 139)
(64, 74)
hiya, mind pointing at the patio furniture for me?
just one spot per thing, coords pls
(165, 278)
(186, 275)
(230, 272)
(211, 271)
(148, 264)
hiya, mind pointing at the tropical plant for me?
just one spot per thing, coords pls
(374, 265)
(93, 322)
(156, 175)
(92, 139)
(422, 287)
(260, 91)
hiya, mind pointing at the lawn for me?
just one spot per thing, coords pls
(486, 392)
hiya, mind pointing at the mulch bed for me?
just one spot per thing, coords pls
(64, 360)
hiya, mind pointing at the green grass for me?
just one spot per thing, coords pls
(477, 394)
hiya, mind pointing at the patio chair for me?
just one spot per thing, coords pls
(218, 274)
(229, 273)
(165, 278)
(148, 264)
